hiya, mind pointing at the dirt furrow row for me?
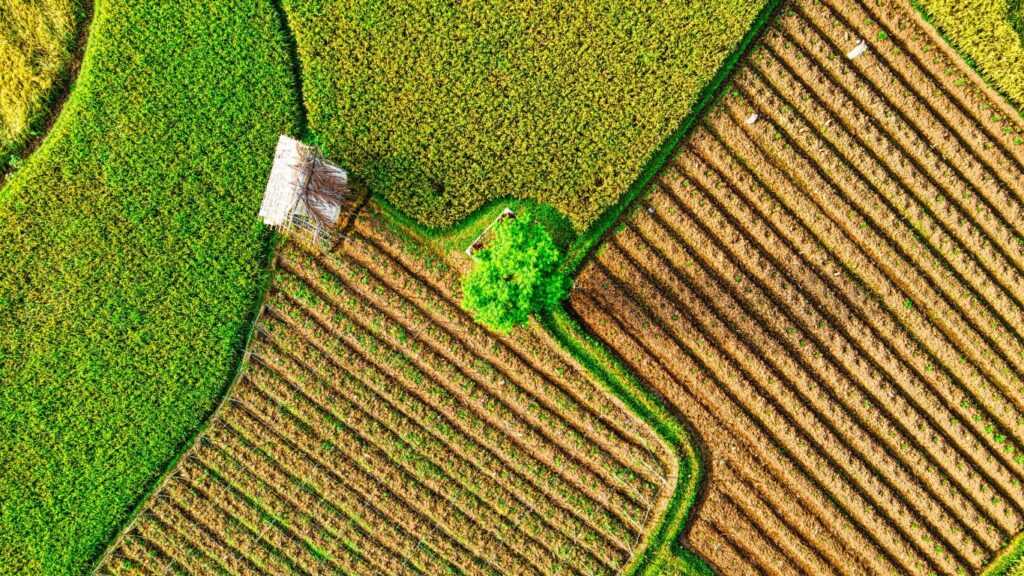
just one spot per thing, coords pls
(445, 504)
(293, 390)
(534, 358)
(268, 424)
(944, 142)
(279, 549)
(200, 516)
(924, 200)
(588, 430)
(735, 523)
(339, 541)
(723, 551)
(950, 90)
(339, 389)
(493, 394)
(847, 233)
(499, 466)
(151, 533)
(810, 294)
(750, 415)
(300, 501)
(745, 494)
(836, 156)
(806, 349)
(346, 497)
(588, 452)
(799, 426)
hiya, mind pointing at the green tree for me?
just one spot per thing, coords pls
(515, 275)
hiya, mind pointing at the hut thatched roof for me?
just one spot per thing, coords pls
(303, 190)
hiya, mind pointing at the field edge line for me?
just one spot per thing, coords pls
(965, 61)
(56, 97)
(661, 546)
(1007, 559)
(591, 238)
(271, 245)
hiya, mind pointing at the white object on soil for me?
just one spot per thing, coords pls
(752, 118)
(859, 49)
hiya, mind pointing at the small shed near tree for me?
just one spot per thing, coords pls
(305, 194)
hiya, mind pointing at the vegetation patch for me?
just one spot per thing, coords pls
(37, 43)
(131, 262)
(990, 34)
(379, 429)
(442, 106)
(514, 275)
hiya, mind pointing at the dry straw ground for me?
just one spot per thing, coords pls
(833, 296)
(379, 430)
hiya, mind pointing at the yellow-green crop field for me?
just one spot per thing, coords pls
(37, 41)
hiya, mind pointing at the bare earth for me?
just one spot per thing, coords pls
(379, 430)
(832, 297)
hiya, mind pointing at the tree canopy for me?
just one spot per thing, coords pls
(515, 275)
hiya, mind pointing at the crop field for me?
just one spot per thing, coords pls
(443, 106)
(378, 430)
(130, 265)
(37, 42)
(831, 294)
(990, 34)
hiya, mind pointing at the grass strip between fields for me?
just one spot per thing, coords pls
(661, 552)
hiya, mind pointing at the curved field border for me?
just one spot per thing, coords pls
(131, 266)
(53, 102)
(1010, 562)
(663, 553)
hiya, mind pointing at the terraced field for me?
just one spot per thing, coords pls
(379, 430)
(831, 293)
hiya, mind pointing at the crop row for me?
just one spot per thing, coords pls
(378, 430)
(833, 286)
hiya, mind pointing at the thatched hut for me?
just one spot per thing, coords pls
(305, 193)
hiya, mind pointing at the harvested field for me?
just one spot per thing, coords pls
(378, 430)
(831, 294)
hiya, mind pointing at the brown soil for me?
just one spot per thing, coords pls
(379, 425)
(832, 296)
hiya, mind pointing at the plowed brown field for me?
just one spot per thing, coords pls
(379, 430)
(831, 294)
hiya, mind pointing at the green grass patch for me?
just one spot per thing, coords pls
(988, 34)
(661, 553)
(1009, 562)
(37, 43)
(444, 106)
(130, 266)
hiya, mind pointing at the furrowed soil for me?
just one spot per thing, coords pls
(378, 430)
(831, 293)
